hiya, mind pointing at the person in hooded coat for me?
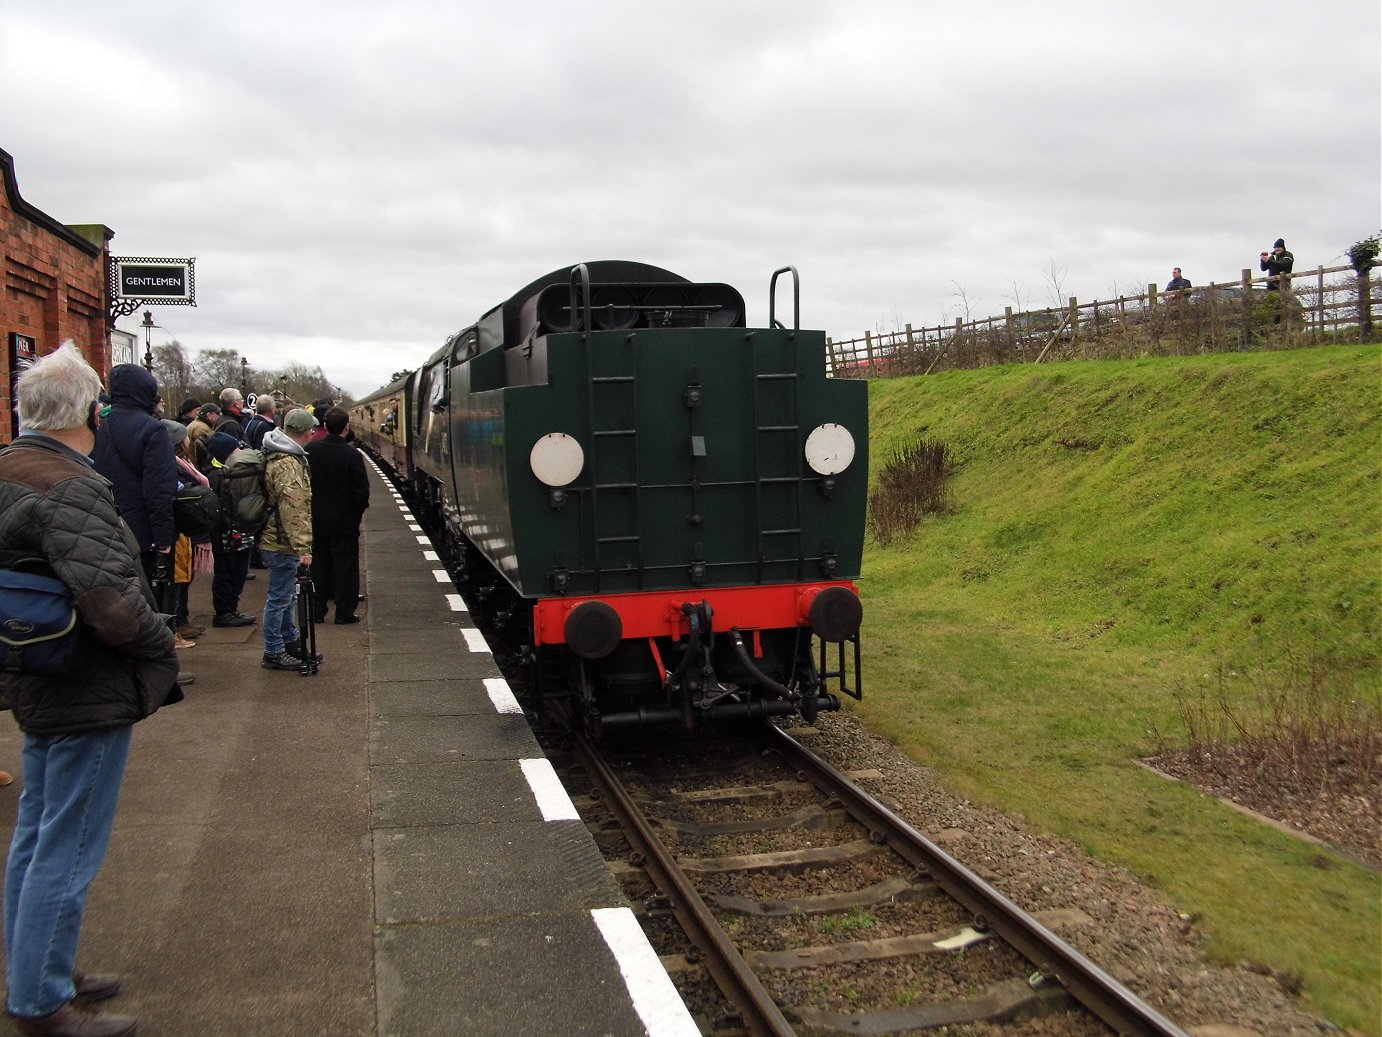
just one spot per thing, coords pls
(133, 452)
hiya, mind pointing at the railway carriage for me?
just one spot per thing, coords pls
(666, 505)
(382, 424)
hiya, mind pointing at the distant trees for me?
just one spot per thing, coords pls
(180, 377)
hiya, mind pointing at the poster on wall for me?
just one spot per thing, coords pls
(23, 352)
(121, 348)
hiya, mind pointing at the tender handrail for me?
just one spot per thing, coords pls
(796, 299)
(579, 270)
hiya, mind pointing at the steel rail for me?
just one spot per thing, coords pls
(1090, 985)
(726, 966)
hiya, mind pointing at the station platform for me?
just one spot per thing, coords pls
(379, 849)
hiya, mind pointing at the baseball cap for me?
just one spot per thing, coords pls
(299, 420)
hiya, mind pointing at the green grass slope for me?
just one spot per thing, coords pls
(1122, 532)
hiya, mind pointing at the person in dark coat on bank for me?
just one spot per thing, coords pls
(1277, 265)
(77, 725)
(133, 452)
(340, 495)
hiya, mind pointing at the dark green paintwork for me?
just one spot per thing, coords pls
(686, 508)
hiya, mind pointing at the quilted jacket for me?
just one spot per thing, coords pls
(133, 452)
(55, 507)
(288, 481)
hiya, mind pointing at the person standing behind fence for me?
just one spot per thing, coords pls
(340, 495)
(1177, 283)
(1277, 264)
(76, 725)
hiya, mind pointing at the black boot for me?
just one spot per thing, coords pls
(295, 648)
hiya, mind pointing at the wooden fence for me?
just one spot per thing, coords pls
(1328, 304)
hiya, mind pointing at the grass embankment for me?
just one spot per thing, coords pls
(1119, 533)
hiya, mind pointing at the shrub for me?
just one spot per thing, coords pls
(1362, 255)
(913, 484)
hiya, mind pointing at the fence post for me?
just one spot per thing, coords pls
(1245, 335)
(868, 350)
(1319, 303)
(1074, 322)
(1364, 305)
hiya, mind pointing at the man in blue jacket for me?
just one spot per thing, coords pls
(133, 452)
(76, 725)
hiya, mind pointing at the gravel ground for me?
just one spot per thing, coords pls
(1137, 935)
(1326, 800)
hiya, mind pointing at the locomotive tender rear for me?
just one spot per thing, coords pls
(670, 505)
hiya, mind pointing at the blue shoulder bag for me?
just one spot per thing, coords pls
(38, 622)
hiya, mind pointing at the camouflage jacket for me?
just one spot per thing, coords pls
(288, 484)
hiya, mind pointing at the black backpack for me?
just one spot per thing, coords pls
(196, 509)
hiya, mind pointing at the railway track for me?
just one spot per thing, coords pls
(817, 910)
(771, 879)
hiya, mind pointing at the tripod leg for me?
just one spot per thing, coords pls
(309, 632)
(307, 627)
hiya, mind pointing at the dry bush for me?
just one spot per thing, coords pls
(1298, 717)
(915, 483)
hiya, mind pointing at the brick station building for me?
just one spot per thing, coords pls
(56, 289)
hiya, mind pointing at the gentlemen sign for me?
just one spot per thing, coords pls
(169, 282)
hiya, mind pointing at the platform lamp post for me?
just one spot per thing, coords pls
(148, 327)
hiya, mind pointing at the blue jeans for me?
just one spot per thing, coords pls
(280, 615)
(66, 813)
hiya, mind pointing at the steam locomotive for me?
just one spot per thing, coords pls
(665, 506)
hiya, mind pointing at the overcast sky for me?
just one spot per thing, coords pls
(357, 180)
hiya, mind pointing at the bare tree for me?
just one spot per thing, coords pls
(966, 307)
(1019, 296)
(173, 371)
(219, 369)
(1055, 284)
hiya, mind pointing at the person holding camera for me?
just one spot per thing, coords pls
(1277, 264)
